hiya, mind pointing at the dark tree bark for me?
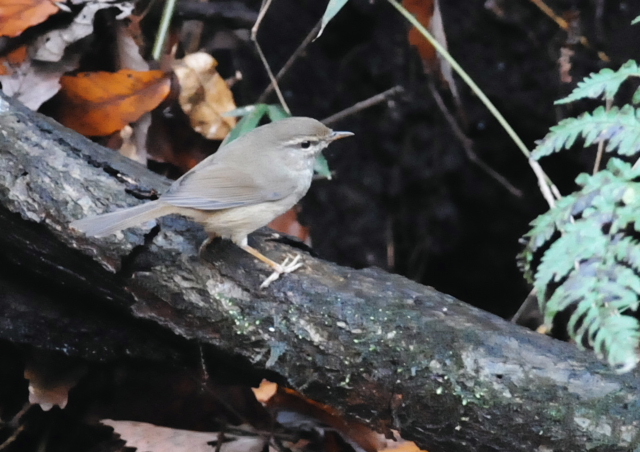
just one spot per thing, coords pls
(379, 347)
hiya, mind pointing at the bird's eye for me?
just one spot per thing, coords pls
(305, 144)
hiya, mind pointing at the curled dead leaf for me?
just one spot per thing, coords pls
(293, 410)
(429, 14)
(204, 95)
(423, 10)
(51, 377)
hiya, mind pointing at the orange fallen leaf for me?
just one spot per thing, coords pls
(100, 103)
(18, 15)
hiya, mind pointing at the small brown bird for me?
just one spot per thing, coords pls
(242, 187)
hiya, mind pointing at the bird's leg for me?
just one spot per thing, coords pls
(289, 265)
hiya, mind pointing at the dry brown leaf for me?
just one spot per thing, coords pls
(35, 82)
(100, 103)
(128, 52)
(50, 379)
(134, 139)
(400, 445)
(265, 391)
(51, 45)
(293, 410)
(18, 15)
(204, 95)
(152, 438)
(9, 63)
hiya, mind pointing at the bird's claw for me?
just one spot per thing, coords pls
(288, 266)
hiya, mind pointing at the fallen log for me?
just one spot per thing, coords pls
(379, 347)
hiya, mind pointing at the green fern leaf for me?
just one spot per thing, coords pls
(621, 127)
(591, 266)
(542, 230)
(627, 250)
(618, 339)
(606, 82)
(636, 97)
(579, 242)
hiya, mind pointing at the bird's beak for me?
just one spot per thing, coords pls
(338, 135)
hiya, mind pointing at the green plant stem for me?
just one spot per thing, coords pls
(163, 29)
(549, 190)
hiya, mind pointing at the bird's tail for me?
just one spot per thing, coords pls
(110, 223)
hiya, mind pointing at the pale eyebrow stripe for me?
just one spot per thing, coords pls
(301, 140)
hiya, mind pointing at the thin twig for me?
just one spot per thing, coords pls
(144, 13)
(467, 144)
(18, 428)
(370, 102)
(7, 442)
(567, 26)
(292, 59)
(547, 188)
(254, 38)
(542, 6)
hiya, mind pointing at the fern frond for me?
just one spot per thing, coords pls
(606, 82)
(621, 127)
(635, 99)
(578, 243)
(590, 263)
(617, 338)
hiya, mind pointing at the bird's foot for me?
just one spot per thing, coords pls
(288, 266)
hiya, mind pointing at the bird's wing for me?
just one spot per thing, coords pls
(219, 186)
